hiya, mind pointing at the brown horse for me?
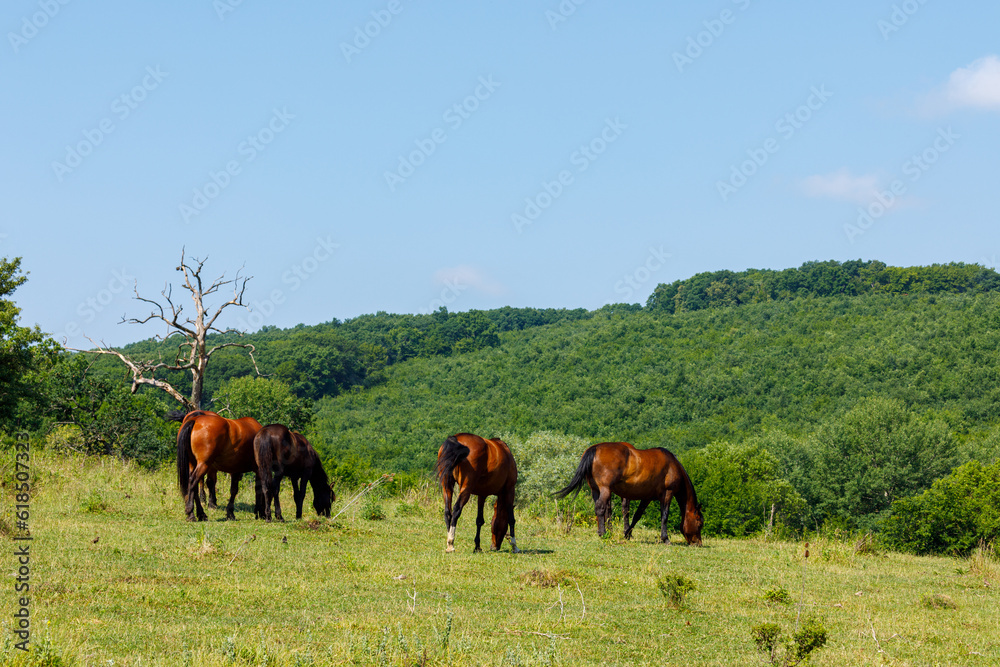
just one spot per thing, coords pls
(209, 480)
(482, 467)
(637, 474)
(282, 453)
(208, 443)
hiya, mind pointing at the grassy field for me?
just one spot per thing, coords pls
(119, 578)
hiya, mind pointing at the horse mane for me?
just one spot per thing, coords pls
(452, 453)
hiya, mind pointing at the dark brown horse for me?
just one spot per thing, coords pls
(282, 453)
(637, 474)
(208, 443)
(484, 468)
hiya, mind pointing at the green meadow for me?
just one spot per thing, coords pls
(119, 578)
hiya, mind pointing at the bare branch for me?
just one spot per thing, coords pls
(139, 370)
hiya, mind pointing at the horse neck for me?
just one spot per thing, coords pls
(319, 477)
(685, 495)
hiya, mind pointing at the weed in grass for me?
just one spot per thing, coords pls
(983, 561)
(405, 509)
(812, 636)
(94, 503)
(938, 601)
(372, 508)
(767, 636)
(545, 578)
(675, 588)
(868, 546)
(777, 595)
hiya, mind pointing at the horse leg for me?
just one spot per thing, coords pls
(480, 520)
(447, 491)
(234, 487)
(643, 504)
(625, 507)
(276, 494)
(299, 493)
(192, 501)
(210, 480)
(509, 502)
(602, 508)
(456, 512)
(664, 514)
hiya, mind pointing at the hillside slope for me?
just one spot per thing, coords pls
(682, 380)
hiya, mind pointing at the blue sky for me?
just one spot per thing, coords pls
(400, 155)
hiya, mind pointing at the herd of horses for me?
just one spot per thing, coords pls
(208, 444)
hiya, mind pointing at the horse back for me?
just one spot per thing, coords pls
(488, 468)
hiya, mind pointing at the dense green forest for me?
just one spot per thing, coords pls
(814, 396)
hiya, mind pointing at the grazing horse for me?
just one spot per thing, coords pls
(282, 453)
(208, 443)
(637, 474)
(481, 467)
(209, 480)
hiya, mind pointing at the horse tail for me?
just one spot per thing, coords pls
(264, 446)
(184, 456)
(583, 471)
(452, 453)
(175, 416)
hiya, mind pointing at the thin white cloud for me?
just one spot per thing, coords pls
(842, 185)
(976, 86)
(465, 276)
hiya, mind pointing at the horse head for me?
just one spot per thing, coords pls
(692, 525)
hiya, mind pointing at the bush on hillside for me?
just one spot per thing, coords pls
(951, 517)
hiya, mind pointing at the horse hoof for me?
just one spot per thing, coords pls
(477, 550)
(515, 550)
(448, 550)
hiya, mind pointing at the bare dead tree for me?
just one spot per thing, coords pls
(193, 352)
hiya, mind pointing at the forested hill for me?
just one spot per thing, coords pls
(854, 278)
(328, 359)
(686, 379)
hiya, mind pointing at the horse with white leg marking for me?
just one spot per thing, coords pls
(484, 468)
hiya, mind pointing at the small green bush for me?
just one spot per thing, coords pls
(675, 588)
(778, 595)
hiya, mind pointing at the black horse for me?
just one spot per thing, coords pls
(282, 453)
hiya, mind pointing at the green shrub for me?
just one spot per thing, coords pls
(675, 588)
(953, 516)
(778, 595)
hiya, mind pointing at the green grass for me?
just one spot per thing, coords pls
(156, 590)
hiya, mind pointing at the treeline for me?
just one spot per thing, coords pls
(331, 358)
(721, 289)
